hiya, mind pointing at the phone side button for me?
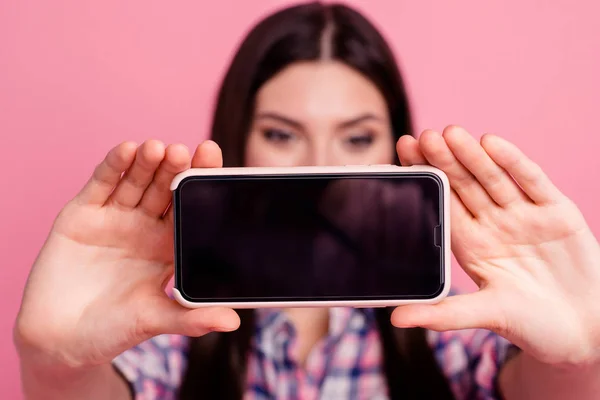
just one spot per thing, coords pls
(437, 236)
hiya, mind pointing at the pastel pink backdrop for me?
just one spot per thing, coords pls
(77, 77)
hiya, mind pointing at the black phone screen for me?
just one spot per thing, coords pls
(309, 237)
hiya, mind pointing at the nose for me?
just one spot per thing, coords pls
(317, 159)
(321, 154)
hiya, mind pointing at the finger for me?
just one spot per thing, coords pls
(158, 196)
(107, 174)
(462, 225)
(528, 175)
(135, 181)
(466, 311)
(208, 155)
(471, 193)
(172, 318)
(494, 179)
(409, 151)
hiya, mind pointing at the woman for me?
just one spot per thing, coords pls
(315, 85)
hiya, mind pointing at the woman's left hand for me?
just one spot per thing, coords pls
(526, 246)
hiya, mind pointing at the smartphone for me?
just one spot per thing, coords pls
(358, 236)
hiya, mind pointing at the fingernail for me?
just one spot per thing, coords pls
(222, 329)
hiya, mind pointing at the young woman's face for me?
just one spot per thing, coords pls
(319, 113)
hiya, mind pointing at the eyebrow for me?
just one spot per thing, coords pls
(359, 119)
(280, 118)
(299, 126)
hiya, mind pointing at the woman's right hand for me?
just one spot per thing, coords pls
(97, 287)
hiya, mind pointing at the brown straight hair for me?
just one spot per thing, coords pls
(307, 32)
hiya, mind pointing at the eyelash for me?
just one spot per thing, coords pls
(363, 140)
(281, 136)
(277, 135)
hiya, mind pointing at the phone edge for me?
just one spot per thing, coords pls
(324, 170)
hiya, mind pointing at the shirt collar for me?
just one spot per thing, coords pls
(273, 324)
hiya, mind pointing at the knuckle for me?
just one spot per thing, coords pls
(500, 323)
(137, 181)
(99, 174)
(193, 328)
(513, 162)
(464, 180)
(535, 173)
(197, 330)
(491, 179)
(145, 325)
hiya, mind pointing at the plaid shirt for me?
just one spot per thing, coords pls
(344, 365)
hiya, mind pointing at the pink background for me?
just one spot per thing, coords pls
(77, 77)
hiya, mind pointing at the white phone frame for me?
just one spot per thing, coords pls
(343, 170)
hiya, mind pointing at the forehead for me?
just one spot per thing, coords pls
(320, 90)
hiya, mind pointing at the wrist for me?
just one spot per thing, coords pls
(581, 368)
(46, 378)
(41, 360)
(525, 377)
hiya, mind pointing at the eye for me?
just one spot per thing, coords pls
(360, 140)
(278, 135)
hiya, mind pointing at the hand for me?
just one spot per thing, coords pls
(526, 246)
(97, 287)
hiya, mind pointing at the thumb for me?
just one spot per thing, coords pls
(172, 318)
(473, 310)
